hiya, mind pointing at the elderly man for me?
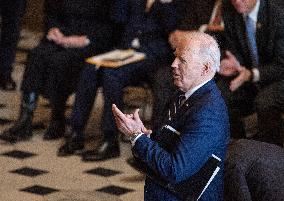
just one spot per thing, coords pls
(253, 67)
(196, 127)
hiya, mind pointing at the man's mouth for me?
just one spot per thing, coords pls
(176, 76)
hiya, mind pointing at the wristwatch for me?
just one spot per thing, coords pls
(135, 135)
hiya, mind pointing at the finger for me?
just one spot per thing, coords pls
(229, 54)
(118, 113)
(130, 116)
(146, 131)
(136, 114)
(235, 84)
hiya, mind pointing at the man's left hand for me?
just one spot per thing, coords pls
(244, 76)
(129, 124)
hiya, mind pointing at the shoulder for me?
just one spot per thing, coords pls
(210, 106)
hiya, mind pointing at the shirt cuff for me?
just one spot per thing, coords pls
(135, 139)
(255, 75)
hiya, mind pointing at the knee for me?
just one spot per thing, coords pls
(264, 102)
(89, 72)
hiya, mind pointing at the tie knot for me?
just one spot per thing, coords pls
(181, 99)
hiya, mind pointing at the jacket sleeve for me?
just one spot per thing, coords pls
(273, 70)
(230, 33)
(203, 134)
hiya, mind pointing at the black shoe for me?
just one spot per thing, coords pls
(106, 150)
(8, 84)
(73, 145)
(17, 133)
(22, 128)
(55, 130)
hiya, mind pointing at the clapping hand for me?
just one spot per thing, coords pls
(244, 76)
(129, 124)
(229, 65)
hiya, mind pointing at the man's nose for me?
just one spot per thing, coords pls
(175, 63)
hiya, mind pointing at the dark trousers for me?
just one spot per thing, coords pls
(267, 102)
(11, 12)
(85, 97)
(53, 71)
(164, 89)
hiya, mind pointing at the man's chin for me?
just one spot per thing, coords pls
(177, 83)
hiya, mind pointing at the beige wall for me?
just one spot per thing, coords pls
(33, 17)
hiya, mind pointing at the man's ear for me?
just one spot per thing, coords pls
(206, 68)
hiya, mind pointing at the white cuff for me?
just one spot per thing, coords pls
(87, 42)
(135, 43)
(135, 139)
(255, 75)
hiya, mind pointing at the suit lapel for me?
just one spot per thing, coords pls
(261, 29)
(189, 103)
(241, 33)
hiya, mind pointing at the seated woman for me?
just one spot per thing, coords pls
(75, 29)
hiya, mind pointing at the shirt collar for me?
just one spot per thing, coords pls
(191, 91)
(253, 14)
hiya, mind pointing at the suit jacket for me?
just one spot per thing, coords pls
(204, 130)
(194, 13)
(269, 39)
(151, 27)
(77, 17)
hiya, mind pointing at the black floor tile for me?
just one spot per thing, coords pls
(4, 121)
(2, 105)
(115, 190)
(103, 172)
(30, 172)
(38, 126)
(39, 190)
(18, 154)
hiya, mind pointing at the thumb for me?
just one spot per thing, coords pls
(148, 132)
(229, 54)
(136, 114)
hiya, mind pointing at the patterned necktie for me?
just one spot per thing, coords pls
(251, 41)
(181, 100)
(176, 105)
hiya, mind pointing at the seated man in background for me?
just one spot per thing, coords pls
(147, 29)
(195, 127)
(11, 13)
(253, 67)
(74, 30)
(88, 83)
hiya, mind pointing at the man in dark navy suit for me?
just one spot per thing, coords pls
(11, 12)
(196, 127)
(253, 67)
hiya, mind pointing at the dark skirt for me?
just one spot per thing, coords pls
(53, 71)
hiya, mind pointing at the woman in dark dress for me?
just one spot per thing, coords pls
(75, 29)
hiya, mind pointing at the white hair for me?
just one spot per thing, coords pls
(208, 51)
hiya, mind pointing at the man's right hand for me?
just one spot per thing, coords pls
(229, 65)
(55, 35)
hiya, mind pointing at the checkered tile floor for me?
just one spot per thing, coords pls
(31, 171)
